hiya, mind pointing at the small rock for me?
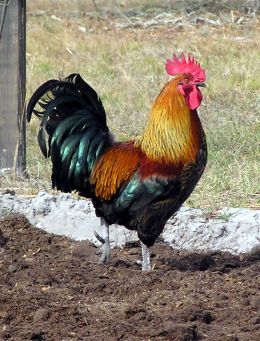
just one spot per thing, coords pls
(100, 287)
(22, 285)
(80, 249)
(131, 311)
(121, 264)
(163, 303)
(28, 260)
(141, 316)
(23, 264)
(41, 314)
(12, 267)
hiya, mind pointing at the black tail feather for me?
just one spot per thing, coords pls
(73, 129)
(41, 91)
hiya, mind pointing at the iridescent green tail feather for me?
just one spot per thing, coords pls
(73, 130)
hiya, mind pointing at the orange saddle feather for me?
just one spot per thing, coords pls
(114, 168)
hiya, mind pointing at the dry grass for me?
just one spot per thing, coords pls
(126, 67)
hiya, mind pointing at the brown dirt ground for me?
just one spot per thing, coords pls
(51, 288)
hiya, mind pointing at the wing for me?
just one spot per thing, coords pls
(138, 193)
(146, 204)
(123, 175)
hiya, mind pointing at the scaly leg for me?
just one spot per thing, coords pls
(146, 260)
(105, 243)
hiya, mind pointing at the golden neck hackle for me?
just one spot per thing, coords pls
(172, 133)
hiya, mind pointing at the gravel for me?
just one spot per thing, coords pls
(236, 230)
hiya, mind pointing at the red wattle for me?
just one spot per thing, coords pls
(192, 95)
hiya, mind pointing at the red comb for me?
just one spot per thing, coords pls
(185, 66)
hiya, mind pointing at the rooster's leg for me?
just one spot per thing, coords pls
(105, 248)
(146, 260)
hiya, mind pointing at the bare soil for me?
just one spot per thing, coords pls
(52, 288)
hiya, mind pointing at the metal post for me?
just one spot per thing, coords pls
(12, 85)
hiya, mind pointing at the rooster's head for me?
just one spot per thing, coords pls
(192, 76)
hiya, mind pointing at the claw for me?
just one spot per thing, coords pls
(99, 238)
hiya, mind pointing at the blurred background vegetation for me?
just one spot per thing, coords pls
(120, 47)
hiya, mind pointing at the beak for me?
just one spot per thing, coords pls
(201, 84)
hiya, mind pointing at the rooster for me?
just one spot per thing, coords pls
(141, 183)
